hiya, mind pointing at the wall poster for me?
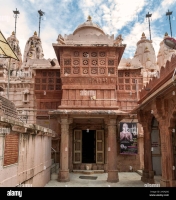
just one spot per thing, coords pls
(128, 138)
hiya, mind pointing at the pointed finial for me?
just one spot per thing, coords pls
(166, 34)
(89, 18)
(143, 34)
(35, 33)
(13, 33)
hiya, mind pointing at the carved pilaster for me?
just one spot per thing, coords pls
(145, 118)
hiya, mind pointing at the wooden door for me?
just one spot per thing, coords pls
(77, 149)
(99, 146)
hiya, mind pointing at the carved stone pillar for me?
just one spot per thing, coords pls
(168, 178)
(112, 151)
(64, 171)
(148, 173)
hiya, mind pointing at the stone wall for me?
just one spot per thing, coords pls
(34, 155)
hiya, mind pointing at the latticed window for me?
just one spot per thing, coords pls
(47, 80)
(127, 74)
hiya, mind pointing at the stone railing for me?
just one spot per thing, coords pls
(165, 74)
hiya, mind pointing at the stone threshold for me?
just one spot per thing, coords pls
(89, 171)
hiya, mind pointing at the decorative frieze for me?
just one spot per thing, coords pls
(87, 81)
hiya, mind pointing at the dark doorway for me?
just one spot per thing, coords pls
(88, 146)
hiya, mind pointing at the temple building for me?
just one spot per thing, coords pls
(106, 111)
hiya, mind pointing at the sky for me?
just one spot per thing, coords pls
(125, 17)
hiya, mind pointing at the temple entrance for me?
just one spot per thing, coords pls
(88, 146)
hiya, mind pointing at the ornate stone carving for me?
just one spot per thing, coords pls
(111, 70)
(102, 62)
(85, 70)
(110, 62)
(75, 62)
(94, 70)
(76, 54)
(76, 70)
(94, 54)
(102, 70)
(94, 62)
(85, 62)
(102, 54)
(67, 61)
(67, 70)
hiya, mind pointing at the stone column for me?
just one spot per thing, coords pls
(112, 151)
(64, 171)
(148, 173)
(168, 178)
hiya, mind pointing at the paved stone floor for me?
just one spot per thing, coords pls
(126, 179)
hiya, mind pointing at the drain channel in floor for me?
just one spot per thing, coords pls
(88, 177)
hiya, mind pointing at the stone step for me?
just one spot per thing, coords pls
(89, 171)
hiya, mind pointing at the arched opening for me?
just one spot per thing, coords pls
(156, 147)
